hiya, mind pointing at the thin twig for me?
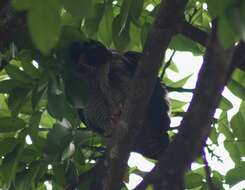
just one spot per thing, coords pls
(208, 172)
(179, 89)
(165, 66)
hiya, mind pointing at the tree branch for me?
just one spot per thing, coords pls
(195, 126)
(193, 33)
(208, 172)
(139, 94)
(176, 89)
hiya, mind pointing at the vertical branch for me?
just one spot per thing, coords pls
(140, 91)
(167, 65)
(196, 124)
(208, 172)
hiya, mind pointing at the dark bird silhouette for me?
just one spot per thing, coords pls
(108, 75)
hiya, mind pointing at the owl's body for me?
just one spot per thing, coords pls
(108, 77)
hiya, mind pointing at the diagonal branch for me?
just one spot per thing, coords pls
(193, 33)
(195, 126)
(140, 91)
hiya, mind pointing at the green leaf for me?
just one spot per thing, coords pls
(136, 9)
(149, 187)
(56, 105)
(226, 33)
(182, 43)
(124, 14)
(59, 137)
(217, 7)
(34, 124)
(7, 145)
(225, 104)
(16, 100)
(237, 88)
(233, 150)
(144, 32)
(121, 39)
(79, 8)
(44, 24)
(135, 42)
(37, 95)
(234, 176)
(68, 152)
(4, 111)
(8, 124)
(92, 24)
(21, 4)
(70, 34)
(56, 99)
(47, 121)
(193, 180)
(6, 86)
(181, 82)
(177, 105)
(237, 123)
(214, 136)
(76, 94)
(30, 154)
(8, 168)
(173, 67)
(29, 68)
(59, 174)
(239, 76)
(26, 179)
(105, 27)
(15, 73)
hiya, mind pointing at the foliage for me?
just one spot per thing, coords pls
(41, 136)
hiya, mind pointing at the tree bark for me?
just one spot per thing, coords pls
(117, 154)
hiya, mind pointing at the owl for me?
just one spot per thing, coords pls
(108, 75)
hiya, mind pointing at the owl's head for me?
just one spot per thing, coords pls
(89, 55)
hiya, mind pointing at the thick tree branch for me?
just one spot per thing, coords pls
(139, 94)
(193, 33)
(195, 126)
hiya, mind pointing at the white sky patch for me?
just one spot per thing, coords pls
(226, 164)
(28, 140)
(217, 113)
(139, 161)
(183, 96)
(175, 121)
(187, 64)
(35, 64)
(239, 186)
(234, 100)
(48, 185)
(205, 6)
(133, 181)
(150, 7)
(50, 167)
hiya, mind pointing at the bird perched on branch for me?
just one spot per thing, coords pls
(108, 75)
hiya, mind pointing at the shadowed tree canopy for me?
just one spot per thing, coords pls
(53, 133)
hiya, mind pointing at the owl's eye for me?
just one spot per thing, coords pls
(82, 60)
(90, 52)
